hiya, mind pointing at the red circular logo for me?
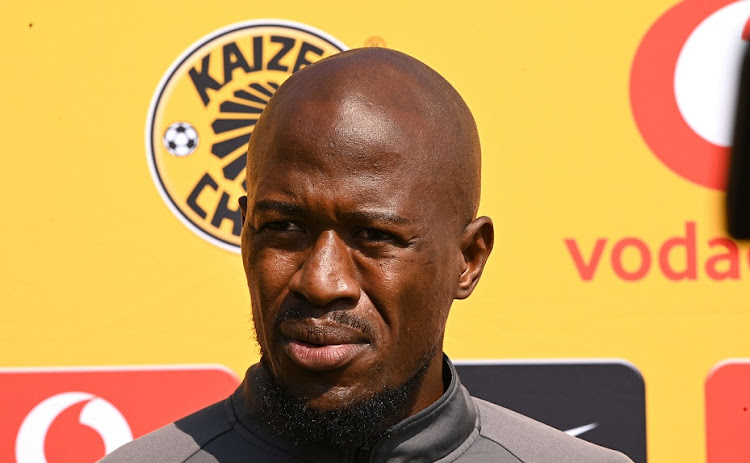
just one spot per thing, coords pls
(684, 83)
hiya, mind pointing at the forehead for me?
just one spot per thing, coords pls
(360, 144)
(351, 126)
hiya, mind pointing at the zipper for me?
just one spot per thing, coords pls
(361, 454)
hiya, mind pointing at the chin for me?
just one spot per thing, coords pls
(336, 415)
(329, 390)
(338, 397)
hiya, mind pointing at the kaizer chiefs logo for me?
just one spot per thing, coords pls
(204, 110)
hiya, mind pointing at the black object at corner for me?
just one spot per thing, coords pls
(738, 178)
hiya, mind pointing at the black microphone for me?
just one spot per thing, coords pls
(738, 178)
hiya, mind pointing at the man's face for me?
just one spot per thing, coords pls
(350, 259)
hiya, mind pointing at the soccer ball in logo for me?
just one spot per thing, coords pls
(180, 139)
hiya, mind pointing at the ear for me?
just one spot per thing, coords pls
(243, 207)
(476, 245)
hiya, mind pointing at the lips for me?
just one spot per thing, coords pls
(318, 345)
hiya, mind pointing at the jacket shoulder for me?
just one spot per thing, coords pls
(533, 442)
(177, 442)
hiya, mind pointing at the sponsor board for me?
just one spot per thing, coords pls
(73, 414)
(99, 271)
(684, 84)
(728, 412)
(601, 401)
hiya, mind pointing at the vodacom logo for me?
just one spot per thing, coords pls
(79, 414)
(684, 82)
(97, 414)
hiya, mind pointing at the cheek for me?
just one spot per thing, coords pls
(432, 297)
(417, 306)
(268, 275)
(423, 317)
(270, 270)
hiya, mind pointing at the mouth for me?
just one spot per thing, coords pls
(319, 346)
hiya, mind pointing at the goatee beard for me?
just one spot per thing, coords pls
(352, 425)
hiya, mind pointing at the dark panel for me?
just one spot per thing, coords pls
(568, 396)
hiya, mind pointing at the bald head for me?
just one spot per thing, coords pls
(369, 90)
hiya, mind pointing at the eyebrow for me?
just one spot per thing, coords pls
(360, 215)
(276, 206)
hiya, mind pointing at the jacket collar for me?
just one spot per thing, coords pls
(428, 435)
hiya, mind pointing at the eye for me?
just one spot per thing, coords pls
(283, 226)
(373, 234)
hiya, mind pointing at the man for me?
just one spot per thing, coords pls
(360, 229)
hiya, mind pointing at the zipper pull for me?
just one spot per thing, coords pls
(362, 454)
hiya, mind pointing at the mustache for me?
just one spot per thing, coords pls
(341, 316)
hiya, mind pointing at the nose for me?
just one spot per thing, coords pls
(328, 273)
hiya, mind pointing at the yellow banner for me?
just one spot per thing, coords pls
(604, 157)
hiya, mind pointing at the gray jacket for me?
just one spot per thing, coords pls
(457, 428)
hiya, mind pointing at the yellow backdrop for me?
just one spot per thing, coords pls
(98, 271)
